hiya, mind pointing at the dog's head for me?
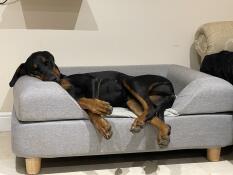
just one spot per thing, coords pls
(40, 65)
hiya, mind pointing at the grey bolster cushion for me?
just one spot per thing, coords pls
(199, 93)
(36, 100)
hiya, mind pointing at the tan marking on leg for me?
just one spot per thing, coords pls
(158, 123)
(163, 136)
(135, 107)
(140, 99)
(139, 122)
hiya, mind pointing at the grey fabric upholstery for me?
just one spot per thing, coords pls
(47, 122)
(181, 76)
(205, 95)
(35, 100)
(78, 137)
(131, 70)
(197, 93)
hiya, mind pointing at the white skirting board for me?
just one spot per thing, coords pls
(5, 121)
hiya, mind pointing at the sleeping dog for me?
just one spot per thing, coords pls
(147, 95)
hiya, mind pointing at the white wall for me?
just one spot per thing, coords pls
(107, 32)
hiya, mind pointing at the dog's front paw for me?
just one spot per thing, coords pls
(137, 126)
(103, 127)
(101, 107)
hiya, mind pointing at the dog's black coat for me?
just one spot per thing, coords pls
(219, 65)
(107, 85)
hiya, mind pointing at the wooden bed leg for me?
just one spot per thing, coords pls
(213, 154)
(33, 165)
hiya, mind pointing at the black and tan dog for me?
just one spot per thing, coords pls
(147, 95)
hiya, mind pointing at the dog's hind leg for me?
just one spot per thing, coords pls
(163, 130)
(135, 107)
(147, 108)
(139, 122)
(162, 103)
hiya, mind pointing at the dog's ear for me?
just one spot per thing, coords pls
(19, 72)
